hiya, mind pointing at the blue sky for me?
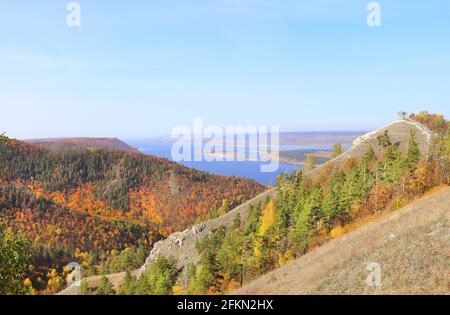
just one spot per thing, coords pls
(139, 68)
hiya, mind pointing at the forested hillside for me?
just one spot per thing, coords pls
(64, 144)
(101, 208)
(306, 213)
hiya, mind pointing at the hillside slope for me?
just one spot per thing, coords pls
(181, 245)
(177, 246)
(94, 203)
(412, 245)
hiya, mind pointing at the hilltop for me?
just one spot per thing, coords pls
(64, 144)
(398, 130)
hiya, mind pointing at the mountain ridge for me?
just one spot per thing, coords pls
(74, 143)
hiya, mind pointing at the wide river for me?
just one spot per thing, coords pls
(248, 169)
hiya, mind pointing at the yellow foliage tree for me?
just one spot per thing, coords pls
(178, 290)
(268, 217)
(336, 232)
(284, 258)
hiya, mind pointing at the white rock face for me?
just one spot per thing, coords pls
(181, 245)
(196, 229)
(406, 120)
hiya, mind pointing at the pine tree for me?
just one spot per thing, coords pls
(4, 138)
(159, 278)
(369, 156)
(129, 284)
(253, 219)
(337, 150)
(384, 140)
(236, 221)
(314, 204)
(334, 211)
(84, 287)
(302, 231)
(413, 154)
(310, 163)
(105, 287)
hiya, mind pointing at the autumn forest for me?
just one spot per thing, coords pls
(96, 207)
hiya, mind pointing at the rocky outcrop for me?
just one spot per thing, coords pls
(398, 131)
(181, 245)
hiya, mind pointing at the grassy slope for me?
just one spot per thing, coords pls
(412, 245)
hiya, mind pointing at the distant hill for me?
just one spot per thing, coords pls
(319, 138)
(299, 156)
(411, 246)
(64, 144)
(312, 138)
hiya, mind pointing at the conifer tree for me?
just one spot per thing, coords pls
(310, 163)
(334, 211)
(4, 138)
(413, 154)
(84, 287)
(384, 140)
(337, 150)
(105, 287)
(302, 231)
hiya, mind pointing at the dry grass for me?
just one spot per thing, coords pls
(412, 245)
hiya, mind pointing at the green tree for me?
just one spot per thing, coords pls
(129, 285)
(384, 140)
(337, 150)
(159, 279)
(202, 280)
(229, 254)
(129, 259)
(369, 156)
(394, 165)
(335, 211)
(253, 219)
(310, 163)
(14, 261)
(84, 287)
(354, 187)
(4, 138)
(303, 230)
(413, 154)
(105, 287)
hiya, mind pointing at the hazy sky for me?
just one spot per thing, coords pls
(139, 68)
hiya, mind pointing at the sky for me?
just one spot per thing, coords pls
(137, 69)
